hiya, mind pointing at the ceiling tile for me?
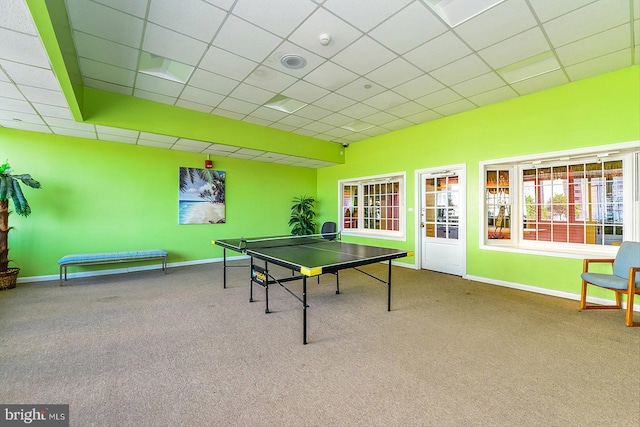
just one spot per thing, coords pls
(547, 10)
(270, 79)
(136, 8)
(586, 21)
(23, 48)
(418, 87)
(30, 76)
(496, 24)
(306, 92)
(597, 45)
(159, 138)
(245, 39)
(544, 81)
(323, 22)
(455, 107)
(361, 89)
(33, 127)
(460, 70)
(16, 105)
(335, 102)
(105, 72)
(201, 96)
(296, 121)
(436, 99)
(363, 56)
(43, 96)
(189, 105)
(223, 4)
(237, 106)
(359, 111)
(151, 96)
(268, 114)
(14, 16)
(226, 63)
(385, 100)
(407, 109)
(600, 65)
(156, 144)
(330, 76)
(418, 25)
(313, 112)
(212, 82)
(438, 52)
(228, 114)
(193, 18)
(106, 86)
(158, 85)
(106, 51)
(424, 117)
(394, 73)
(53, 111)
(493, 96)
(172, 45)
(524, 45)
(74, 132)
(336, 119)
(281, 17)
(105, 22)
(251, 94)
(479, 84)
(9, 90)
(354, 11)
(107, 130)
(379, 118)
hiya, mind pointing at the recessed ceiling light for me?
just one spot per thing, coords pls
(530, 67)
(284, 104)
(164, 68)
(357, 126)
(293, 61)
(455, 12)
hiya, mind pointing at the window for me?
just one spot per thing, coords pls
(569, 202)
(373, 206)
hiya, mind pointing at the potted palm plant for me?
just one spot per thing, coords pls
(10, 190)
(302, 216)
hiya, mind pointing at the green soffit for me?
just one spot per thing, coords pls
(99, 107)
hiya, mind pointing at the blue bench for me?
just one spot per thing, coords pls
(110, 258)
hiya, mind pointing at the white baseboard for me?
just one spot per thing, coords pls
(109, 271)
(544, 291)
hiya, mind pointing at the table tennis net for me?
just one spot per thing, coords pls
(274, 242)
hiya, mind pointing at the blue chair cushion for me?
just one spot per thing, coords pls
(607, 280)
(628, 256)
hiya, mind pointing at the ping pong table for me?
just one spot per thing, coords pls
(308, 256)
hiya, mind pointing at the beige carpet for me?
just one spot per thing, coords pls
(175, 349)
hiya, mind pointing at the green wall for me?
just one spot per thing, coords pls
(101, 196)
(597, 111)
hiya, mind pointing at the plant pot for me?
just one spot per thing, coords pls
(8, 278)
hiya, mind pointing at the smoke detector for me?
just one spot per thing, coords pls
(325, 39)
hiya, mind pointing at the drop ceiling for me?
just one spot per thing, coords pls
(388, 65)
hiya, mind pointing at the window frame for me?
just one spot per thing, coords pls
(628, 152)
(360, 182)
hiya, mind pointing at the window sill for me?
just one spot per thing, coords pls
(577, 253)
(374, 235)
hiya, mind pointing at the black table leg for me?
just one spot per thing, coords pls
(224, 268)
(304, 309)
(389, 288)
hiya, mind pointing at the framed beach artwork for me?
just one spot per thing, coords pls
(201, 196)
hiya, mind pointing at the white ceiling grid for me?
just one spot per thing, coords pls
(390, 64)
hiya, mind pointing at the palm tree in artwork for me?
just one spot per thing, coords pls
(215, 194)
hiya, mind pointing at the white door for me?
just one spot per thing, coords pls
(442, 221)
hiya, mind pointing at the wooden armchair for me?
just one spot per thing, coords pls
(625, 279)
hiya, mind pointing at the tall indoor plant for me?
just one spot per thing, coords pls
(303, 216)
(10, 190)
